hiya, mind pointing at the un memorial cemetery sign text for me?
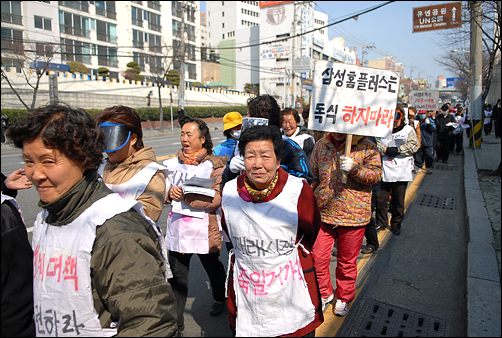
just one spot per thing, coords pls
(445, 16)
(350, 99)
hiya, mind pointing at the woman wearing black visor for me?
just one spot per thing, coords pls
(131, 169)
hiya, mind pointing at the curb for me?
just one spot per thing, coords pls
(483, 278)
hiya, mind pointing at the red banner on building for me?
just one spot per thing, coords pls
(265, 4)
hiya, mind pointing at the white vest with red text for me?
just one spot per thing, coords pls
(399, 168)
(62, 286)
(132, 189)
(272, 297)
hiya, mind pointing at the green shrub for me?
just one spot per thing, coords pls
(150, 113)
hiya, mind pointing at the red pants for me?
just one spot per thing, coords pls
(348, 244)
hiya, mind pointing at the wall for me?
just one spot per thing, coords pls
(87, 92)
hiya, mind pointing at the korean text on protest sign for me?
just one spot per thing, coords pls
(424, 99)
(353, 100)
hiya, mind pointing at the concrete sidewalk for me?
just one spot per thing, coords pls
(440, 277)
(482, 195)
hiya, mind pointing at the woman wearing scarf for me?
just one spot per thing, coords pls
(131, 168)
(345, 210)
(97, 267)
(193, 225)
(272, 220)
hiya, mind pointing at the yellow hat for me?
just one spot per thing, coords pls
(231, 120)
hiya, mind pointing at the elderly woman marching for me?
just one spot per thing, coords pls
(193, 225)
(272, 284)
(131, 168)
(98, 268)
(345, 210)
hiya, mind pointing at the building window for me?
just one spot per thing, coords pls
(106, 8)
(137, 39)
(74, 24)
(79, 5)
(11, 12)
(107, 56)
(154, 5)
(153, 21)
(192, 71)
(137, 16)
(44, 50)
(12, 41)
(43, 23)
(223, 14)
(106, 31)
(77, 51)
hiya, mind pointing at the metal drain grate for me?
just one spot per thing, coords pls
(377, 319)
(444, 167)
(437, 202)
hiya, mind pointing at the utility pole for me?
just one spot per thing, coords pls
(53, 89)
(181, 87)
(365, 51)
(171, 100)
(285, 88)
(476, 61)
(411, 72)
(161, 110)
(293, 42)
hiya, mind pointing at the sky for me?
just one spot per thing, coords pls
(389, 29)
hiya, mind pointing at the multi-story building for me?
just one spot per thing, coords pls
(235, 24)
(104, 34)
(280, 21)
(232, 24)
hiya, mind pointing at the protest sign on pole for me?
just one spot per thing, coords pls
(424, 99)
(350, 100)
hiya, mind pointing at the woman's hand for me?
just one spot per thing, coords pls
(17, 180)
(176, 193)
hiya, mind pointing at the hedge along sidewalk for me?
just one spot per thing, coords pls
(152, 113)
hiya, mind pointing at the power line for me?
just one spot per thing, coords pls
(351, 16)
(309, 31)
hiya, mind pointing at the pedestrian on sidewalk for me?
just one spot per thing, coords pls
(445, 126)
(290, 128)
(345, 210)
(414, 122)
(272, 219)
(487, 119)
(232, 124)
(193, 225)
(294, 161)
(131, 168)
(458, 133)
(97, 266)
(17, 262)
(4, 125)
(497, 117)
(316, 134)
(371, 231)
(425, 153)
(397, 165)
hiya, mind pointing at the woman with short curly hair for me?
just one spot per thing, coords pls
(98, 270)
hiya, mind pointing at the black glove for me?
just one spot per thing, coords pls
(392, 151)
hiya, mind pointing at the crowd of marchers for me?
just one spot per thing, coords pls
(279, 195)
